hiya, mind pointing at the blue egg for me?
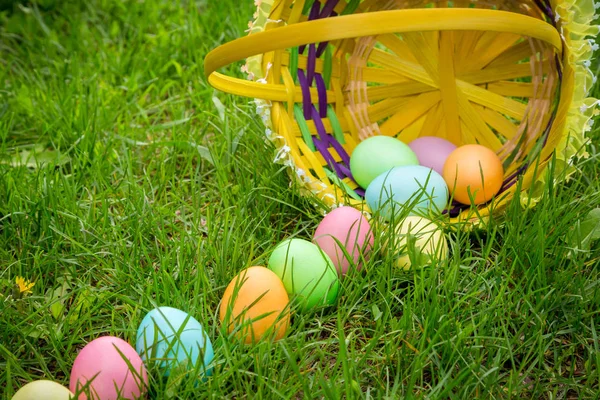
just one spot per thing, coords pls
(408, 190)
(174, 340)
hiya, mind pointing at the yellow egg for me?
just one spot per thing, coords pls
(419, 240)
(256, 303)
(43, 390)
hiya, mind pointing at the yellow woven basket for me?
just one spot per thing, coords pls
(512, 75)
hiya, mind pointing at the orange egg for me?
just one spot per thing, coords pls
(255, 303)
(473, 171)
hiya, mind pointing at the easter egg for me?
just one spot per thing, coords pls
(306, 272)
(378, 154)
(432, 152)
(473, 171)
(43, 390)
(104, 363)
(417, 240)
(410, 190)
(255, 302)
(174, 340)
(344, 232)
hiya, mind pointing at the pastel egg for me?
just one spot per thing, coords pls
(417, 242)
(255, 303)
(174, 340)
(344, 232)
(432, 152)
(410, 190)
(104, 363)
(306, 272)
(43, 390)
(473, 171)
(377, 154)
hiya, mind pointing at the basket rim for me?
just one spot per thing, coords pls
(376, 23)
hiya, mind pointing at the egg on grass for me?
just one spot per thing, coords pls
(109, 369)
(307, 273)
(255, 306)
(345, 235)
(173, 340)
(43, 390)
(417, 242)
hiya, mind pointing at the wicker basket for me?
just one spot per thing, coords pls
(512, 75)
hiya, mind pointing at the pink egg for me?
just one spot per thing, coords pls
(103, 358)
(348, 226)
(432, 152)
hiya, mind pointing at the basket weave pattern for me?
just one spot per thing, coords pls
(328, 74)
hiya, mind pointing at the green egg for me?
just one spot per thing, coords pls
(306, 272)
(378, 154)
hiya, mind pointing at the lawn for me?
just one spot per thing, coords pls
(127, 182)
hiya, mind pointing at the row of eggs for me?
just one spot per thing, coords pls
(255, 306)
(109, 368)
(420, 176)
(256, 303)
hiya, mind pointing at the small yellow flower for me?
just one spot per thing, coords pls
(24, 285)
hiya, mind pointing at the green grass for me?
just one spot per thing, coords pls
(149, 196)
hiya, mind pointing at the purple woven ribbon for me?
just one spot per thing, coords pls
(326, 141)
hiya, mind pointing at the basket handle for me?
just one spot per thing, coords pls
(358, 25)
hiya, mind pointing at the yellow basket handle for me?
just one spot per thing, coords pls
(359, 25)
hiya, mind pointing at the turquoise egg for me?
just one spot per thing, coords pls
(174, 340)
(408, 190)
